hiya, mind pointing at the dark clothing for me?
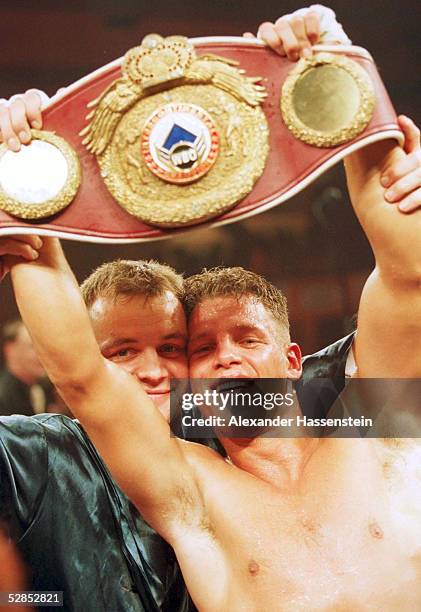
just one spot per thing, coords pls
(323, 378)
(76, 530)
(15, 395)
(329, 362)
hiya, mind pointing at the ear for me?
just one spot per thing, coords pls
(293, 354)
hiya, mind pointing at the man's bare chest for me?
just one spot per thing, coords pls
(343, 541)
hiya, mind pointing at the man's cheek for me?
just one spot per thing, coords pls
(181, 369)
(196, 370)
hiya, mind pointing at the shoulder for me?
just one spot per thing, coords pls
(339, 346)
(38, 423)
(330, 360)
(31, 434)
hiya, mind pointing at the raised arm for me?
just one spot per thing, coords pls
(388, 342)
(384, 184)
(128, 430)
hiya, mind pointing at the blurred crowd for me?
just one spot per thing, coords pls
(24, 386)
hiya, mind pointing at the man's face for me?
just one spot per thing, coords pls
(146, 337)
(233, 337)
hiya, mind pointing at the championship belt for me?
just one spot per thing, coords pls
(184, 132)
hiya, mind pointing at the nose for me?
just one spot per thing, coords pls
(148, 368)
(226, 355)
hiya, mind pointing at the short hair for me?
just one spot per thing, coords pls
(10, 330)
(129, 278)
(236, 282)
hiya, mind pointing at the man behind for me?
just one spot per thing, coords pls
(77, 531)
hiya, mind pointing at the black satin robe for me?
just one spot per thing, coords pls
(323, 378)
(76, 530)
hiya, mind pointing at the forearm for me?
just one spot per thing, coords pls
(394, 236)
(52, 308)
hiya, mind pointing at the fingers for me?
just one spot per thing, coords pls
(248, 35)
(411, 202)
(404, 186)
(289, 33)
(268, 33)
(33, 109)
(399, 169)
(18, 117)
(292, 35)
(403, 178)
(312, 26)
(25, 247)
(7, 134)
(15, 248)
(411, 133)
(19, 122)
(298, 28)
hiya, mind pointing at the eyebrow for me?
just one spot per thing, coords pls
(238, 328)
(111, 344)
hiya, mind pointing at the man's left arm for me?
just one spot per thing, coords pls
(388, 341)
(384, 184)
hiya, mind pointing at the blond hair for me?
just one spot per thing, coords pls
(236, 282)
(128, 278)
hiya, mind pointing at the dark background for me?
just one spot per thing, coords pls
(311, 246)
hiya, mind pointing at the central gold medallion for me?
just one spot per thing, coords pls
(179, 138)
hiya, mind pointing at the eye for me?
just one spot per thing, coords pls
(172, 350)
(122, 354)
(250, 341)
(202, 350)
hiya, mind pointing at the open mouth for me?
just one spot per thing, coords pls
(233, 384)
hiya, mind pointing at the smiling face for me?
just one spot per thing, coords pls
(232, 337)
(145, 336)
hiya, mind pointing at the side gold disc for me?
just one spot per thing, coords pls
(41, 179)
(327, 100)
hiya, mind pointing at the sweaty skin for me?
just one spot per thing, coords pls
(287, 525)
(331, 524)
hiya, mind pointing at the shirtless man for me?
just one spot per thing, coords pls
(249, 534)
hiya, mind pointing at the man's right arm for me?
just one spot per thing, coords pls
(129, 432)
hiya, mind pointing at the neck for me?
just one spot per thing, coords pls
(279, 461)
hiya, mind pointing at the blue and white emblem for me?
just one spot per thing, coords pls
(180, 142)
